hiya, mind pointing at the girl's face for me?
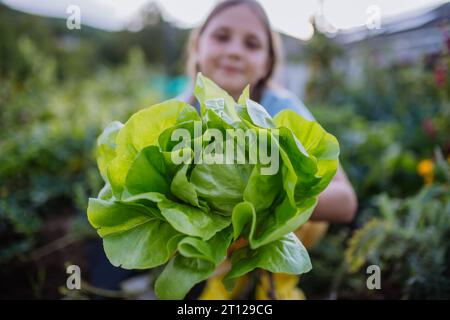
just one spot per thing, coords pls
(233, 49)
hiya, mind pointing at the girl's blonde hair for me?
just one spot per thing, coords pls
(275, 45)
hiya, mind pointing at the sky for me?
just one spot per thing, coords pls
(289, 16)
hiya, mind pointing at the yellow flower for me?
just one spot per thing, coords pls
(425, 168)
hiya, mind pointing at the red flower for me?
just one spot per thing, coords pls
(429, 128)
(439, 76)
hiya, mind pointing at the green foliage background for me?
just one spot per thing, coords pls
(59, 89)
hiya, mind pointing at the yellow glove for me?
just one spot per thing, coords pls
(285, 285)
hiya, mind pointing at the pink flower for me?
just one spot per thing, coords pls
(429, 128)
(439, 76)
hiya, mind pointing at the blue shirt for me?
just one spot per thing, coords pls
(274, 100)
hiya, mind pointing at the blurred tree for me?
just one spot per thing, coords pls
(325, 83)
(78, 52)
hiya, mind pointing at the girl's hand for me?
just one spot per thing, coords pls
(239, 243)
(225, 266)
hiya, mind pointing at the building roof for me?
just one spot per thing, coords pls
(398, 24)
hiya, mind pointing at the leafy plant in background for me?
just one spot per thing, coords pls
(361, 140)
(397, 114)
(47, 137)
(409, 239)
(324, 82)
(406, 237)
(155, 212)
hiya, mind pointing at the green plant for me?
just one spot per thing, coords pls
(48, 131)
(154, 210)
(408, 239)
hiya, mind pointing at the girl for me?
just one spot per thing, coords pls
(235, 47)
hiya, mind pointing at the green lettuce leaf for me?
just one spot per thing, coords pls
(142, 130)
(151, 161)
(196, 262)
(212, 97)
(183, 189)
(106, 147)
(286, 255)
(314, 141)
(165, 204)
(222, 186)
(133, 237)
(192, 221)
